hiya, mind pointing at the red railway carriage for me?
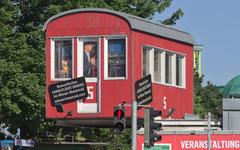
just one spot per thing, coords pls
(113, 50)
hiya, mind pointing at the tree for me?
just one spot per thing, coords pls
(22, 82)
(116, 142)
(212, 98)
(198, 102)
(206, 99)
(22, 78)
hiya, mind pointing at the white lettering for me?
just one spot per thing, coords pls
(237, 144)
(215, 144)
(232, 144)
(145, 100)
(183, 143)
(90, 92)
(191, 144)
(219, 144)
(141, 89)
(77, 85)
(66, 98)
(187, 144)
(142, 83)
(165, 102)
(66, 84)
(62, 94)
(202, 144)
(222, 143)
(75, 91)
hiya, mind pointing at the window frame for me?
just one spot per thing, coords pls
(106, 38)
(148, 61)
(173, 54)
(159, 67)
(52, 56)
(80, 43)
(181, 69)
(170, 69)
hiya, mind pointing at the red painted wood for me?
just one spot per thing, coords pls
(114, 92)
(179, 98)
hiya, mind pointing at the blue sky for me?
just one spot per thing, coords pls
(216, 25)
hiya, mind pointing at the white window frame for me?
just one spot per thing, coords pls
(159, 63)
(80, 41)
(183, 67)
(52, 57)
(147, 61)
(163, 68)
(172, 68)
(106, 57)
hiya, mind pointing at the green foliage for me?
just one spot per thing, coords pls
(22, 77)
(172, 20)
(198, 103)
(7, 12)
(31, 16)
(206, 99)
(213, 99)
(22, 85)
(116, 142)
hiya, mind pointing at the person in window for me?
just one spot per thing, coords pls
(65, 68)
(88, 48)
(93, 64)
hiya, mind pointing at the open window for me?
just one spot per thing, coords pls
(61, 59)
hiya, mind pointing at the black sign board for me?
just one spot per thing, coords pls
(68, 91)
(144, 90)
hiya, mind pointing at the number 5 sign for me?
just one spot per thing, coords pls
(91, 103)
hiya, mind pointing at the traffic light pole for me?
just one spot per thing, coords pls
(134, 122)
(134, 125)
(150, 136)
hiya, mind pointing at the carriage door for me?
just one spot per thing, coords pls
(88, 66)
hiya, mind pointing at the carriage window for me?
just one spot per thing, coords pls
(168, 68)
(63, 59)
(116, 58)
(90, 59)
(146, 60)
(179, 71)
(157, 65)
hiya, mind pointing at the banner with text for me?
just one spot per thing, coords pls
(195, 142)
